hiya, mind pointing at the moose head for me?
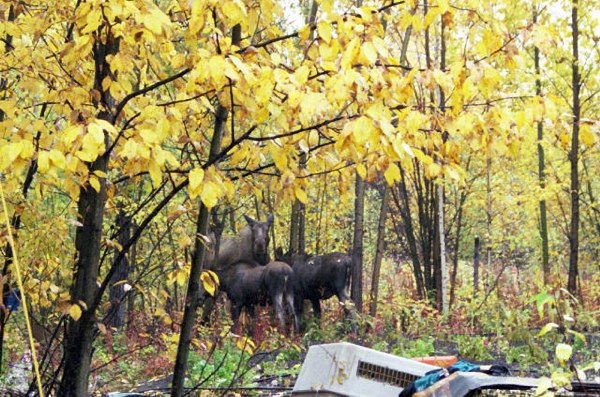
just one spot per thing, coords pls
(260, 238)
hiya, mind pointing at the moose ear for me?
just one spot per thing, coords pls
(249, 220)
(270, 219)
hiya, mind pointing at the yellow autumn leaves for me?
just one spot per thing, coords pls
(210, 186)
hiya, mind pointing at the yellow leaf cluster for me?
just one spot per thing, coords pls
(210, 281)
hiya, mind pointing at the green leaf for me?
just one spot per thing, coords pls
(546, 328)
(577, 335)
(541, 300)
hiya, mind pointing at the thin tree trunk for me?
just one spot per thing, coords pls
(456, 248)
(193, 289)
(443, 299)
(322, 213)
(357, 252)
(489, 217)
(116, 312)
(380, 250)
(574, 157)
(476, 261)
(132, 274)
(541, 169)
(294, 226)
(444, 274)
(298, 221)
(403, 205)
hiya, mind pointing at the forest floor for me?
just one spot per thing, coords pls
(274, 372)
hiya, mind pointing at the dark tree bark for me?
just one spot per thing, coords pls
(459, 225)
(381, 234)
(298, 215)
(488, 247)
(79, 334)
(116, 312)
(456, 248)
(193, 289)
(357, 251)
(476, 261)
(322, 199)
(541, 168)
(574, 157)
(401, 199)
(294, 228)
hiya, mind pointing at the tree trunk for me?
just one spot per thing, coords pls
(294, 226)
(298, 216)
(116, 312)
(403, 205)
(574, 158)
(488, 247)
(357, 252)
(322, 213)
(454, 271)
(132, 274)
(442, 295)
(380, 250)
(541, 169)
(193, 288)
(79, 335)
(476, 261)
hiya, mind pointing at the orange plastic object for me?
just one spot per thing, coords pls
(440, 361)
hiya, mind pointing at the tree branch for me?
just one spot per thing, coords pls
(144, 90)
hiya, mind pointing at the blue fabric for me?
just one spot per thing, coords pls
(463, 366)
(14, 300)
(435, 375)
(429, 379)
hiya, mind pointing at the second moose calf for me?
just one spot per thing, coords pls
(247, 286)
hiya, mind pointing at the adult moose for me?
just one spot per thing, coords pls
(248, 286)
(250, 246)
(320, 277)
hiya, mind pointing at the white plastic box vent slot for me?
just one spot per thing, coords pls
(384, 374)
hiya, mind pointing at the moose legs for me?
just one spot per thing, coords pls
(236, 311)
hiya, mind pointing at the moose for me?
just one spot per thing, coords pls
(250, 246)
(319, 278)
(246, 275)
(247, 286)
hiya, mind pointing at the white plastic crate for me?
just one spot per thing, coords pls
(344, 369)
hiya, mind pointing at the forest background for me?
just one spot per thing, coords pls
(451, 148)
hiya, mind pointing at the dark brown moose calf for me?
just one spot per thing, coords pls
(250, 246)
(247, 286)
(320, 277)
